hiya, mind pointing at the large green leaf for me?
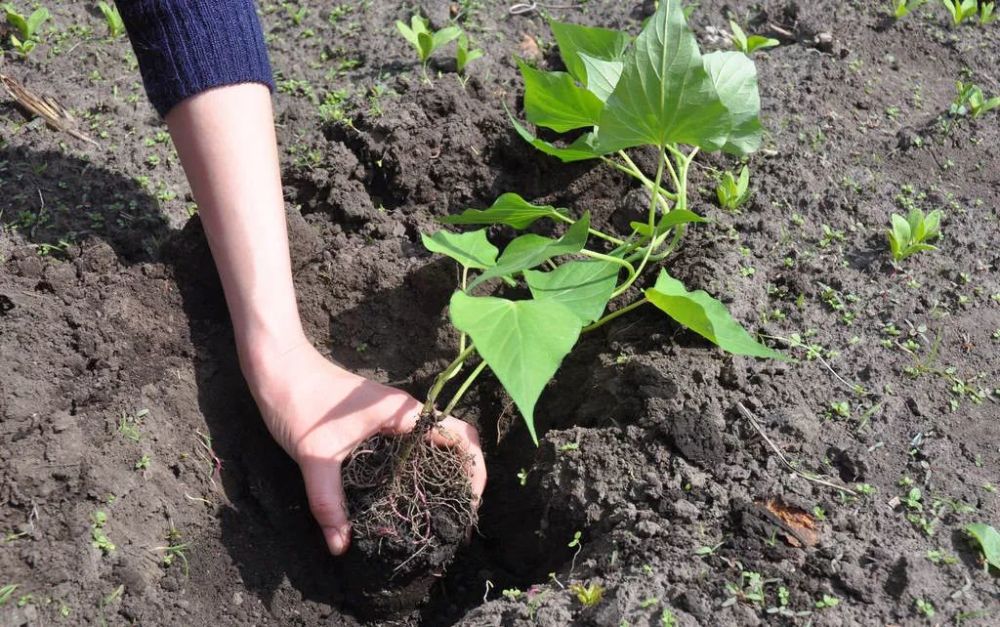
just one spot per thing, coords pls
(528, 251)
(664, 95)
(509, 209)
(989, 542)
(602, 75)
(471, 250)
(523, 342)
(583, 286)
(705, 316)
(735, 78)
(555, 101)
(599, 43)
(580, 150)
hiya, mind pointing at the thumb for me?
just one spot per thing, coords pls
(328, 503)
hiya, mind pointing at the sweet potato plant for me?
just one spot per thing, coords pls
(618, 93)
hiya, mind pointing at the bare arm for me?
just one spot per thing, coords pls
(315, 410)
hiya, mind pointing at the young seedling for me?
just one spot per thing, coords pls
(113, 19)
(655, 90)
(749, 45)
(987, 13)
(6, 592)
(100, 539)
(426, 41)
(910, 235)
(27, 27)
(902, 8)
(464, 55)
(960, 10)
(970, 100)
(589, 595)
(732, 191)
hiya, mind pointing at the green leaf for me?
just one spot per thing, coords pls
(528, 251)
(734, 76)
(584, 287)
(901, 229)
(739, 38)
(599, 43)
(580, 150)
(408, 33)
(668, 221)
(759, 42)
(470, 250)
(36, 19)
(425, 41)
(555, 101)
(444, 36)
(509, 209)
(705, 316)
(17, 20)
(602, 76)
(664, 95)
(523, 342)
(989, 542)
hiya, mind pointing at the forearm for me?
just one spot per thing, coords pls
(226, 142)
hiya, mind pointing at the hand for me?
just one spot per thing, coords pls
(318, 412)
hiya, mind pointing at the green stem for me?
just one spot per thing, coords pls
(443, 378)
(464, 388)
(661, 163)
(615, 260)
(594, 232)
(611, 316)
(634, 171)
(465, 282)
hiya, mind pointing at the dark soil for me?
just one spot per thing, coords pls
(115, 345)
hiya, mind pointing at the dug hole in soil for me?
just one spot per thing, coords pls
(120, 392)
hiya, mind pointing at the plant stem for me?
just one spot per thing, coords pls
(465, 282)
(661, 163)
(462, 389)
(611, 316)
(443, 378)
(615, 260)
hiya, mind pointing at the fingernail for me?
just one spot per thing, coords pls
(335, 540)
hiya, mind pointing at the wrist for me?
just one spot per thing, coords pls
(263, 351)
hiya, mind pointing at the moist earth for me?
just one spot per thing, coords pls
(120, 391)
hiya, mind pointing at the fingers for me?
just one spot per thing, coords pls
(328, 503)
(455, 432)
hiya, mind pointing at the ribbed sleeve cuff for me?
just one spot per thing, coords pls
(187, 46)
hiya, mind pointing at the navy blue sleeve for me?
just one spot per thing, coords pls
(187, 46)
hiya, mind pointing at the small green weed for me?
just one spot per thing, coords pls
(733, 191)
(426, 41)
(960, 10)
(27, 27)
(113, 19)
(589, 595)
(464, 55)
(909, 235)
(100, 539)
(971, 101)
(749, 44)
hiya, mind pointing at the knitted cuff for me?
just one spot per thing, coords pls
(187, 46)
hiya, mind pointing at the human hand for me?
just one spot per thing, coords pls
(318, 412)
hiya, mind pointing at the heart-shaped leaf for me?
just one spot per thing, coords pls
(471, 250)
(523, 342)
(664, 96)
(582, 286)
(509, 209)
(705, 316)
